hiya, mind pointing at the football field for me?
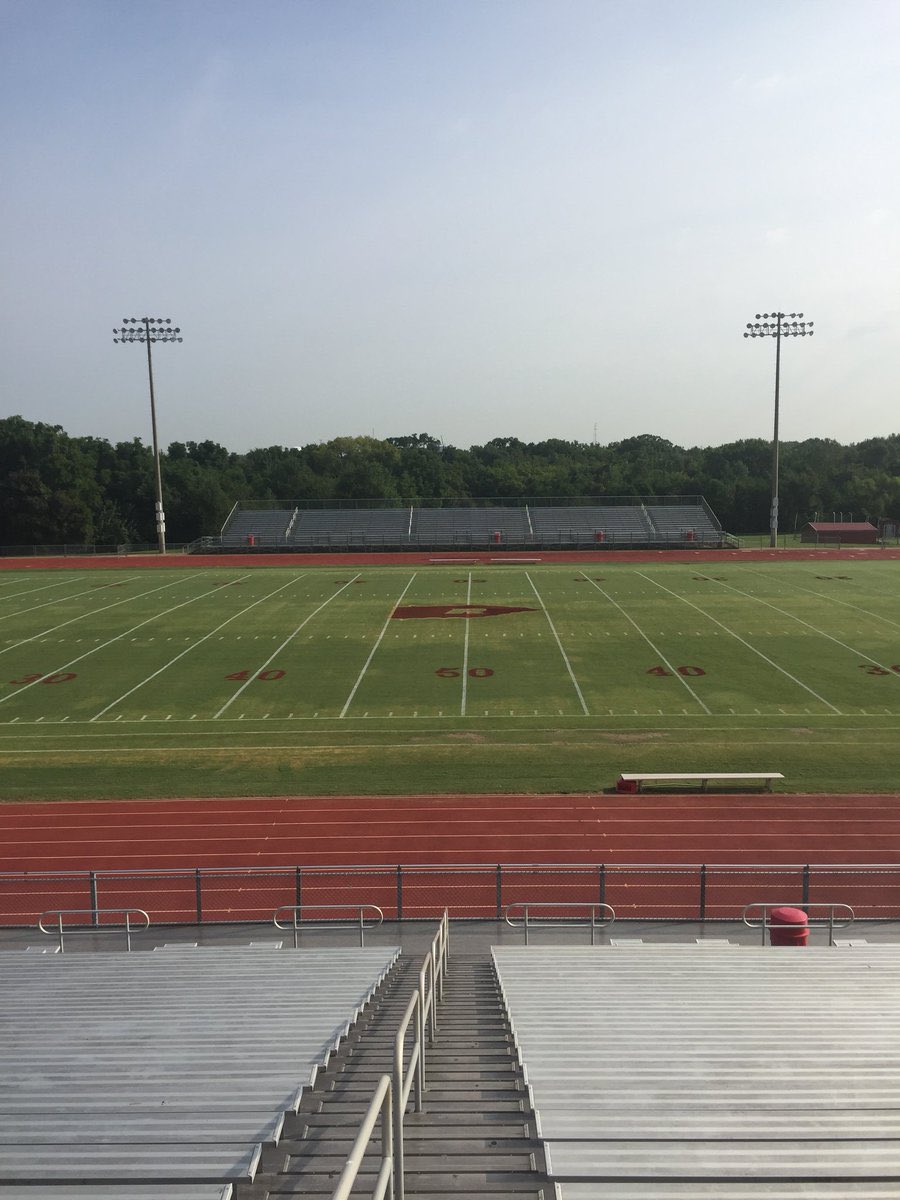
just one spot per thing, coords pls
(453, 678)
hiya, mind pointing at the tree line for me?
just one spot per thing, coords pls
(60, 489)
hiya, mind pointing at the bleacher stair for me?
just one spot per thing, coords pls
(475, 1137)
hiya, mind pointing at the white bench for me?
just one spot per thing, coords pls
(764, 779)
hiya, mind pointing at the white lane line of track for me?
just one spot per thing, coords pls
(287, 641)
(378, 640)
(821, 632)
(199, 642)
(46, 587)
(656, 650)
(824, 596)
(465, 670)
(71, 596)
(834, 708)
(560, 645)
(110, 641)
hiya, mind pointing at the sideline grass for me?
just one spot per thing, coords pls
(264, 681)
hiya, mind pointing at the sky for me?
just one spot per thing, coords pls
(471, 218)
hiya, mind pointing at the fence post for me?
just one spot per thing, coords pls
(95, 918)
(198, 894)
(806, 885)
(298, 886)
(499, 891)
(601, 871)
(399, 893)
(703, 892)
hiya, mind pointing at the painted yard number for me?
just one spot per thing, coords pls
(455, 672)
(660, 671)
(242, 675)
(873, 670)
(39, 677)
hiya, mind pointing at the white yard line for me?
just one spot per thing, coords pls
(287, 641)
(46, 587)
(72, 596)
(821, 632)
(560, 645)
(465, 670)
(368, 661)
(110, 641)
(200, 642)
(834, 708)
(825, 596)
(656, 650)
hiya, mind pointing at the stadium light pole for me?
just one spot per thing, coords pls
(777, 325)
(149, 330)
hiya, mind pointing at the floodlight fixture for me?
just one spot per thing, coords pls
(777, 325)
(147, 331)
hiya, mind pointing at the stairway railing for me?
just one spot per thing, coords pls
(408, 1075)
(381, 1105)
(605, 912)
(297, 924)
(58, 927)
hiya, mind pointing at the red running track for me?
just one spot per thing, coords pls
(322, 835)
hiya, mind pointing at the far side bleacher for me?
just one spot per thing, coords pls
(617, 523)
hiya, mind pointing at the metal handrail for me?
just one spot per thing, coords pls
(381, 1103)
(527, 922)
(828, 922)
(421, 1003)
(94, 913)
(297, 909)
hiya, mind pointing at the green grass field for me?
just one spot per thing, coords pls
(271, 680)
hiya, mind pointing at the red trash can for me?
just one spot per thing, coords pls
(498, 537)
(792, 927)
(626, 785)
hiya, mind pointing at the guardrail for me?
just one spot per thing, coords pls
(296, 911)
(528, 922)
(380, 1104)
(828, 922)
(681, 891)
(95, 927)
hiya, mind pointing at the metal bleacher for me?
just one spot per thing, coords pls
(630, 523)
(680, 522)
(266, 527)
(470, 526)
(163, 1075)
(351, 527)
(693, 1075)
(581, 524)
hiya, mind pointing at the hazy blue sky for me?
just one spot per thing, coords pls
(475, 219)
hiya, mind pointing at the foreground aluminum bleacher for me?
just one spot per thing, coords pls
(726, 1074)
(163, 1071)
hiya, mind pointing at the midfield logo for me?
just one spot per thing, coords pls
(409, 612)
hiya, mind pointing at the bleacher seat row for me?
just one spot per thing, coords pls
(687, 1073)
(125, 1071)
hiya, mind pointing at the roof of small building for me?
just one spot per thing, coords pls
(834, 526)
